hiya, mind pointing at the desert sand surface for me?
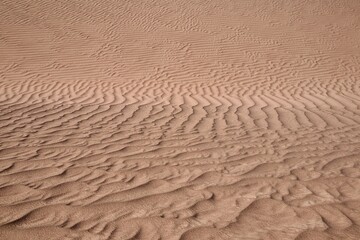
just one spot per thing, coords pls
(174, 119)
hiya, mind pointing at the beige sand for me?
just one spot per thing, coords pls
(221, 119)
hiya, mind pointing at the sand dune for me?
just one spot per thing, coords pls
(179, 119)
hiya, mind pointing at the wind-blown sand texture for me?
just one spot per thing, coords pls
(221, 119)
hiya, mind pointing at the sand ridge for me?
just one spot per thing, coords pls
(179, 120)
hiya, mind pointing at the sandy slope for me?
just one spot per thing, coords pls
(221, 119)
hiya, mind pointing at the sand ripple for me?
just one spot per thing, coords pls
(179, 120)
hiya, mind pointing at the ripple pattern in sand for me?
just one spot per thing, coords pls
(151, 120)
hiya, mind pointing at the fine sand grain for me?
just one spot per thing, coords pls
(174, 119)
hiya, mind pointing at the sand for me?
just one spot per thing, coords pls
(222, 119)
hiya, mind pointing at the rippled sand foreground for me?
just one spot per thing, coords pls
(223, 119)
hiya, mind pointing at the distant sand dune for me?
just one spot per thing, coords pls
(179, 120)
